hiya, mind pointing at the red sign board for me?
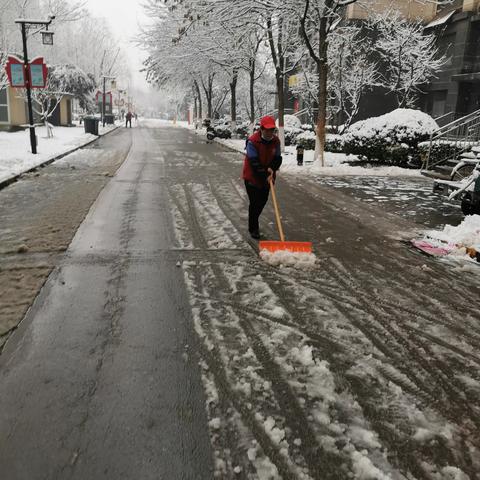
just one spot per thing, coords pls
(18, 75)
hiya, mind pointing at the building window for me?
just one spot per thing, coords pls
(439, 100)
(3, 106)
(446, 46)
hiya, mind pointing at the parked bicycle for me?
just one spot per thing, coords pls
(464, 186)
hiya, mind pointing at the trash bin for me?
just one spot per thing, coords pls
(300, 152)
(109, 119)
(91, 125)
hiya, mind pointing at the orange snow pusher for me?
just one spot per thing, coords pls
(275, 246)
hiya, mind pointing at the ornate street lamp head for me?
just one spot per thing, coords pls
(47, 37)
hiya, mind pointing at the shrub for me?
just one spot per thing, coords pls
(306, 140)
(391, 139)
(334, 143)
(291, 135)
(440, 152)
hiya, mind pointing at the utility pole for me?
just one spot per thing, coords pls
(48, 40)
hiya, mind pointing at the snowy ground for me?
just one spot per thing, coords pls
(16, 156)
(362, 366)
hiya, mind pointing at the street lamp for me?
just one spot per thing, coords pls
(46, 38)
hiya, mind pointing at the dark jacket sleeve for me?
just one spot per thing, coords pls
(252, 156)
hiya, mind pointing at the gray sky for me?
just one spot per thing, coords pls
(124, 16)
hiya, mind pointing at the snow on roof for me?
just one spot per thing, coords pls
(440, 20)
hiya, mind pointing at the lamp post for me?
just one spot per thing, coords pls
(47, 38)
(103, 102)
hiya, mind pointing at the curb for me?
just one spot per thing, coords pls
(230, 147)
(14, 178)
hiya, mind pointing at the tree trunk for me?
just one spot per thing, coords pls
(195, 110)
(199, 97)
(208, 89)
(281, 108)
(322, 70)
(279, 63)
(252, 94)
(233, 100)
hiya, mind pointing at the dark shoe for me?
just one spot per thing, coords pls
(255, 234)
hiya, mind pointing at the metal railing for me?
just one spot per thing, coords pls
(459, 135)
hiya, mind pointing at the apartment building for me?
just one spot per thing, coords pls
(456, 90)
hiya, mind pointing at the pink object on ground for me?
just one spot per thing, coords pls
(427, 247)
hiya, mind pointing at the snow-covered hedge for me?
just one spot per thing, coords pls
(306, 140)
(291, 135)
(392, 138)
(440, 151)
(333, 143)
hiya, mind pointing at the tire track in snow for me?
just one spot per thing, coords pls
(450, 395)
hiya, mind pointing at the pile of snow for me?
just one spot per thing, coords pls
(466, 234)
(456, 240)
(300, 260)
(399, 126)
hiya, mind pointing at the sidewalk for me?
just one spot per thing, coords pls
(15, 156)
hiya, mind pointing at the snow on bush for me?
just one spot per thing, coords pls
(403, 125)
(333, 142)
(306, 140)
(291, 121)
(392, 138)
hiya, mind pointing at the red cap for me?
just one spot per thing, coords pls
(267, 122)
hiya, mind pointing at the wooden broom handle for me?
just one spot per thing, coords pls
(277, 213)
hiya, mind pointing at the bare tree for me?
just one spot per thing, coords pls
(409, 54)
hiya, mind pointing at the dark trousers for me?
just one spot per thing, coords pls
(128, 121)
(258, 198)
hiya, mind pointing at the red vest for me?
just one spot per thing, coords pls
(266, 154)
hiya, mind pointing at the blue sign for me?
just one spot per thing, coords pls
(36, 75)
(18, 75)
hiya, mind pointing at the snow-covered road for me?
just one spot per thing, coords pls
(363, 366)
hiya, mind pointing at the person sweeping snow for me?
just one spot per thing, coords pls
(262, 160)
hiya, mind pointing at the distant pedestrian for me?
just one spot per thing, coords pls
(263, 158)
(136, 117)
(128, 119)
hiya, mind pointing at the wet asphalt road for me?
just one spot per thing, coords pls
(99, 381)
(163, 347)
